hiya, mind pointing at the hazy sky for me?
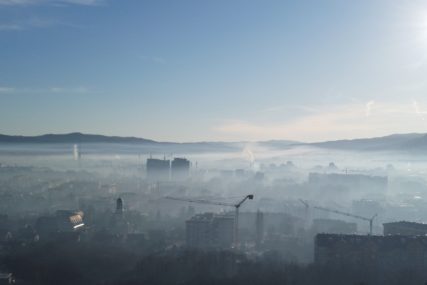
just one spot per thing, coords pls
(214, 70)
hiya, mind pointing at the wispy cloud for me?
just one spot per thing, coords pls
(155, 59)
(11, 27)
(48, 90)
(83, 2)
(20, 24)
(25, 24)
(34, 23)
(16, 2)
(54, 2)
(418, 111)
(73, 90)
(340, 121)
(6, 89)
(283, 108)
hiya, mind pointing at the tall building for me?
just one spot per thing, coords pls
(158, 169)
(358, 184)
(405, 228)
(119, 206)
(259, 228)
(119, 224)
(210, 231)
(333, 226)
(378, 183)
(386, 252)
(180, 168)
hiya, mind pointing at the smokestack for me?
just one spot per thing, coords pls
(76, 152)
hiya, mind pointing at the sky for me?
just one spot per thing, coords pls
(219, 70)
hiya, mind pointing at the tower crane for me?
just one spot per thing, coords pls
(370, 220)
(306, 212)
(208, 202)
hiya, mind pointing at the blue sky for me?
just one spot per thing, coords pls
(213, 70)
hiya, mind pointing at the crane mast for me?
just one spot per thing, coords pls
(236, 219)
(208, 202)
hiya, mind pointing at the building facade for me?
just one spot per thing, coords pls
(405, 228)
(180, 169)
(210, 231)
(382, 252)
(158, 169)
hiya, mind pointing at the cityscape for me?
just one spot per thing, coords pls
(216, 142)
(126, 217)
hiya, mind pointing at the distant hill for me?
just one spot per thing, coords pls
(133, 144)
(396, 142)
(72, 138)
(392, 142)
(90, 138)
(417, 143)
(278, 143)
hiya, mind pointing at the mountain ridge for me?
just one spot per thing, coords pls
(74, 137)
(390, 142)
(77, 137)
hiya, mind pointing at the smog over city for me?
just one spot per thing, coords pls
(213, 142)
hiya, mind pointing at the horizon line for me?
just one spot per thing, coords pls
(208, 141)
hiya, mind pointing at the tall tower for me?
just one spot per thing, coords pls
(119, 206)
(119, 223)
(259, 228)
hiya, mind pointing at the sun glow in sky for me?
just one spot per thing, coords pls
(214, 70)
